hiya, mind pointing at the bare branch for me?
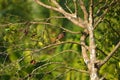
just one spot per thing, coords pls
(103, 77)
(84, 50)
(74, 69)
(71, 51)
(84, 10)
(106, 9)
(109, 23)
(58, 63)
(110, 54)
(91, 12)
(71, 17)
(106, 54)
(45, 23)
(46, 64)
(57, 5)
(101, 8)
(100, 18)
(75, 5)
(101, 51)
(68, 7)
(59, 43)
(99, 2)
(67, 30)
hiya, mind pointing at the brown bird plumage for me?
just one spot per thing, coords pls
(60, 36)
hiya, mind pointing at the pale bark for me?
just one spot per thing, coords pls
(89, 23)
(93, 68)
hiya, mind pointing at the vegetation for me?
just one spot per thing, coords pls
(33, 46)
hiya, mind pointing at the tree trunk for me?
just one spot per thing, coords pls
(93, 65)
(93, 68)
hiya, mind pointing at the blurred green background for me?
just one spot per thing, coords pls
(24, 35)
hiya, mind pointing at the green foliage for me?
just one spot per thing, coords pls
(24, 37)
(107, 36)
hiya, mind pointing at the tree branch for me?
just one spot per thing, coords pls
(84, 50)
(110, 54)
(72, 17)
(68, 7)
(101, 8)
(74, 69)
(84, 10)
(109, 23)
(67, 30)
(101, 51)
(59, 43)
(100, 18)
(105, 53)
(106, 9)
(91, 21)
(76, 8)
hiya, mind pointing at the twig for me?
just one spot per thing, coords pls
(109, 23)
(74, 69)
(84, 10)
(110, 54)
(102, 8)
(91, 21)
(68, 7)
(67, 30)
(75, 5)
(100, 18)
(106, 9)
(84, 50)
(51, 45)
(105, 53)
(71, 17)
(49, 63)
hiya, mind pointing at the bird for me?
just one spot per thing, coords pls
(60, 36)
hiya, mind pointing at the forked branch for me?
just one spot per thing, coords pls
(72, 17)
